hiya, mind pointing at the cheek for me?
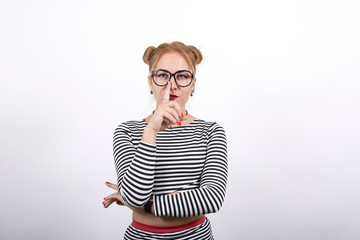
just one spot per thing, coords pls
(185, 95)
(158, 94)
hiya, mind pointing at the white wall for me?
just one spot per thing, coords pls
(282, 77)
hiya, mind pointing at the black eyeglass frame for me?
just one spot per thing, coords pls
(171, 74)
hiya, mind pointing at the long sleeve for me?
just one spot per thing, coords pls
(135, 167)
(209, 197)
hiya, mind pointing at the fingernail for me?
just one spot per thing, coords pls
(182, 115)
(104, 198)
(170, 127)
(106, 182)
(179, 123)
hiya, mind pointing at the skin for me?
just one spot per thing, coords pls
(167, 113)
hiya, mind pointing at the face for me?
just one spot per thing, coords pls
(173, 62)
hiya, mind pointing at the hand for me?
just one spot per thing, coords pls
(166, 113)
(116, 197)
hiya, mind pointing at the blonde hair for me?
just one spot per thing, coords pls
(192, 55)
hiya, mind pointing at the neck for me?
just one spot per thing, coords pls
(189, 119)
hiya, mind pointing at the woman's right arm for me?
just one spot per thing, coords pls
(134, 167)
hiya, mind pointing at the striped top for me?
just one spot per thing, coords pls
(189, 159)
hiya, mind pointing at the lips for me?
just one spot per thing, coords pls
(173, 97)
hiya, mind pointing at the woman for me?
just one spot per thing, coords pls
(171, 166)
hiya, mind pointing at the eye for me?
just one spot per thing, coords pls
(162, 75)
(182, 76)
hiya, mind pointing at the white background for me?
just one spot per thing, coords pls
(282, 78)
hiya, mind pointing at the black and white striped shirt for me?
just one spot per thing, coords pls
(190, 160)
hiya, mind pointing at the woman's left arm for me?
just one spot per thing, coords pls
(209, 197)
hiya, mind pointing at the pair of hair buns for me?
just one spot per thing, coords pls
(175, 46)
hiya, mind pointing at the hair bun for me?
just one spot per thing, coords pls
(197, 53)
(148, 54)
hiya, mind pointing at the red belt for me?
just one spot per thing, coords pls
(156, 229)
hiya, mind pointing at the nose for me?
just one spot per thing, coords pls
(173, 82)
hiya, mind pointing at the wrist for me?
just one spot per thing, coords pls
(149, 135)
(149, 129)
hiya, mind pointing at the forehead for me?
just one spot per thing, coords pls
(172, 61)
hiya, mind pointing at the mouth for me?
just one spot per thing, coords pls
(173, 97)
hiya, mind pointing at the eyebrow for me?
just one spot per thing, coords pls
(162, 69)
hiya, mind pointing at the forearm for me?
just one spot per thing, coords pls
(189, 203)
(137, 183)
(139, 179)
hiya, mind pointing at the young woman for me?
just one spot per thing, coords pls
(171, 166)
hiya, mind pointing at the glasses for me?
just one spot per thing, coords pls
(161, 77)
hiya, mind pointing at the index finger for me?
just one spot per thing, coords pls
(111, 185)
(166, 95)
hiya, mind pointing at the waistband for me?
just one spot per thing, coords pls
(155, 229)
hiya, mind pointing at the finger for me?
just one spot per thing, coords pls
(114, 196)
(184, 118)
(171, 109)
(107, 203)
(175, 114)
(170, 117)
(166, 95)
(110, 199)
(111, 185)
(168, 112)
(175, 105)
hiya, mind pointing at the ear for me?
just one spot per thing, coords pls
(193, 84)
(150, 81)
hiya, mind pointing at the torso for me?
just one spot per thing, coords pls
(150, 219)
(188, 141)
